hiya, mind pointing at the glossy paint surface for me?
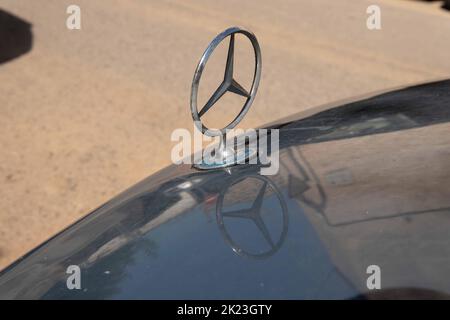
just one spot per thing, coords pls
(365, 183)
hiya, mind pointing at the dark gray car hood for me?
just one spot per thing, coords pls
(364, 183)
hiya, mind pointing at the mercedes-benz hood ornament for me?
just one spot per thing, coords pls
(228, 156)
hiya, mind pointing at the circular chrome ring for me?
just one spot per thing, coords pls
(198, 73)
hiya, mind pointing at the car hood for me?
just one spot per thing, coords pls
(360, 184)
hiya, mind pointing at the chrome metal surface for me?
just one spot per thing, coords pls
(230, 156)
(229, 84)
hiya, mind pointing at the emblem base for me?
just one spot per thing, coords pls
(227, 158)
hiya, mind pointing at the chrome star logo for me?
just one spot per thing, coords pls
(229, 84)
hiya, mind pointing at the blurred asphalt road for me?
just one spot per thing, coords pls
(85, 114)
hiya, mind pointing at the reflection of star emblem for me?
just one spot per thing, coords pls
(253, 213)
(228, 83)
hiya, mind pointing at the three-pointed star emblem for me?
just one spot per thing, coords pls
(228, 83)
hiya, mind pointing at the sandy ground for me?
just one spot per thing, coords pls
(85, 114)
